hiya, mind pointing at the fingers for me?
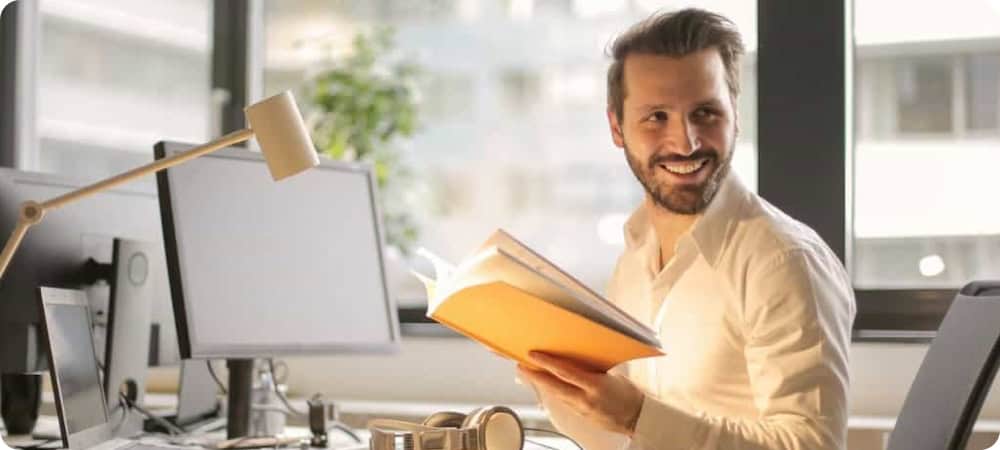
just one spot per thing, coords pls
(551, 385)
(567, 371)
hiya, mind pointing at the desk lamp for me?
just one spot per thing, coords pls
(277, 124)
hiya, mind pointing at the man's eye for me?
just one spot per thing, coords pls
(658, 116)
(705, 113)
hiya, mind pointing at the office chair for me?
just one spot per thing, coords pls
(944, 401)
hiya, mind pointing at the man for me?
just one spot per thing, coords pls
(753, 310)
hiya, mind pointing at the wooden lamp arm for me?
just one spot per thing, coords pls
(32, 212)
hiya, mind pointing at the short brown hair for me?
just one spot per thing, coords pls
(675, 34)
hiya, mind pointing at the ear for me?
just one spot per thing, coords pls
(736, 125)
(736, 119)
(616, 129)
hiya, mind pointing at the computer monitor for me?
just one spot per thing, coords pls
(76, 382)
(54, 252)
(261, 269)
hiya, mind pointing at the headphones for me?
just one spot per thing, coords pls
(487, 428)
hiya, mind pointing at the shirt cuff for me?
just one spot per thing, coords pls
(663, 427)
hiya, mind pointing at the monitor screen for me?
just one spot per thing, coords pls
(74, 362)
(261, 268)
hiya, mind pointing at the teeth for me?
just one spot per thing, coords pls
(684, 169)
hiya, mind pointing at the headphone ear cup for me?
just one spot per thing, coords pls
(473, 418)
(445, 419)
(498, 428)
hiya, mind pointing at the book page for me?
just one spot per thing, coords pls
(450, 279)
(537, 262)
(430, 285)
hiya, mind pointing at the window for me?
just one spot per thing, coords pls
(116, 76)
(924, 95)
(927, 145)
(513, 131)
(983, 92)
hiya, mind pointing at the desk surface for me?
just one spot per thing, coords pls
(532, 413)
(337, 441)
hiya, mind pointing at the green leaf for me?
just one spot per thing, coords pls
(360, 108)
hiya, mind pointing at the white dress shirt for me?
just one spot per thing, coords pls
(754, 313)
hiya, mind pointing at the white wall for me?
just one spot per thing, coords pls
(457, 370)
(432, 369)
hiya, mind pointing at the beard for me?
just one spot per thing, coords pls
(681, 199)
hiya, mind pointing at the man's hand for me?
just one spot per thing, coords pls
(610, 401)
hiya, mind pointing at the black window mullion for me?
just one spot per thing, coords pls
(19, 26)
(801, 113)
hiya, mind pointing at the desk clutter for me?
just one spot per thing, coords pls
(86, 421)
(487, 428)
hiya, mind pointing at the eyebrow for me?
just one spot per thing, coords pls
(650, 107)
(713, 102)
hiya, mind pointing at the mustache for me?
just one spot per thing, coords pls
(661, 158)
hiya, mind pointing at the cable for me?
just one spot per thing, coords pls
(172, 429)
(346, 430)
(281, 395)
(40, 444)
(539, 430)
(211, 371)
(540, 444)
(123, 405)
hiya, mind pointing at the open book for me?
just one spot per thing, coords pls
(513, 300)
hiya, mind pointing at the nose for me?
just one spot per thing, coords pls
(682, 137)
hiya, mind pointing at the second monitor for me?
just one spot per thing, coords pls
(260, 269)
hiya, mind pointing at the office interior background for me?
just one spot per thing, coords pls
(511, 133)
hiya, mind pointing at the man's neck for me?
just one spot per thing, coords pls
(669, 227)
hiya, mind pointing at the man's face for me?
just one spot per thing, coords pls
(678, 127)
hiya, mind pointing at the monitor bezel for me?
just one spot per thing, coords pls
(189, 346)
(97, 434)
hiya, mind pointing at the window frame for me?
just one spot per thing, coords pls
(819, 37)
(19, 31)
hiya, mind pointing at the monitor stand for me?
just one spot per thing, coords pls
(240, 397)
(127, 345)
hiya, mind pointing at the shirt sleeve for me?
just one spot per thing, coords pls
(798, 312)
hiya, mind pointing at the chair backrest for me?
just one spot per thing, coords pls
(944, 401)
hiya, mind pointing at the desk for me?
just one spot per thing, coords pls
(353, 409)
(354, 413)
(865, 432)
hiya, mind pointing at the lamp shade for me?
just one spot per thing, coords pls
(282, 135)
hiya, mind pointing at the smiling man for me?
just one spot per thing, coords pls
(753, 309)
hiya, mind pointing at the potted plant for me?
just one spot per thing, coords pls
(361, 108)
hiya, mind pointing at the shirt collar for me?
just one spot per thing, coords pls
(710, 232)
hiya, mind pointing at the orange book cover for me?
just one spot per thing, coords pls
(514, 301)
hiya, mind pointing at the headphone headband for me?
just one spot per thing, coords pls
(474, 434)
